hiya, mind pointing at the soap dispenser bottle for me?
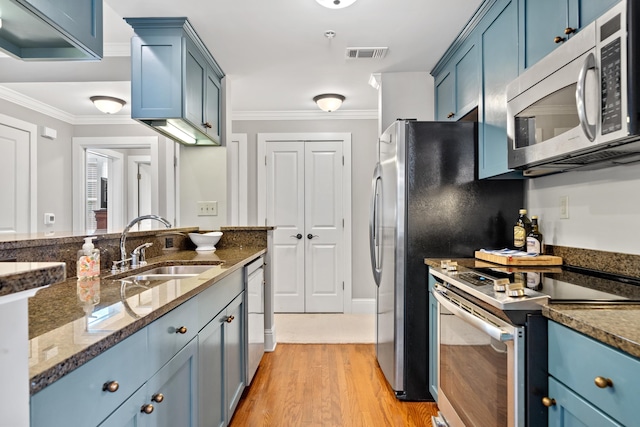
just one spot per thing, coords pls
(88, 260)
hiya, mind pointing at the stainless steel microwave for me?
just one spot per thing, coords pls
(579, 107)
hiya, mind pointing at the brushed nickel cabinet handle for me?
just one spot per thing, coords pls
(207, 125)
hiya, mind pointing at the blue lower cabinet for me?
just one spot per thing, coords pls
(211, 385)
(130, 413)
(89, 394)
(235, 353)
(571, 410)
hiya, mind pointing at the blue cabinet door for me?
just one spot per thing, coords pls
(130, 413)
(235, 353)
(212, 105)
(173, 390)
(541, 21)
(499, 66)
(571, 410)
(195, 70)
(445, 96)
(584, 12)
(433, 341)
(467, 72)
(211, 387)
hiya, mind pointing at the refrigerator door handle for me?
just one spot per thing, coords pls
(374, 219)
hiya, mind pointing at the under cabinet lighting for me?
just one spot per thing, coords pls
(178, 133)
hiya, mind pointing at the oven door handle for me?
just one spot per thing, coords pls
(491, 330)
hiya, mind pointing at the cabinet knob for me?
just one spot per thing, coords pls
(158, 397)
(451, 114)
(603, 382)
(548, 402)
(207, 125)
(181, 330)
(111, 386)
(559, 39)
(147, 409)
(569, 30)
(230, 319)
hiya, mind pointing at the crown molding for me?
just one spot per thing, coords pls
(46, 109)
(305, 115)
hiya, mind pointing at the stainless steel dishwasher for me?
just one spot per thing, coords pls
(254, 283)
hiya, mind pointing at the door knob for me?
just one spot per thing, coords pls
(311, 236)
(297, 236)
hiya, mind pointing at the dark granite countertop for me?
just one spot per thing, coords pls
(72, 322)
(23, 276)
(617, 325)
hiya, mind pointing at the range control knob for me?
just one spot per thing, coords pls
(500, 285)
(515, 290)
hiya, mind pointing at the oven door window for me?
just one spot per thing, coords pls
(473, 372)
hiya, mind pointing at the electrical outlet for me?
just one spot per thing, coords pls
(564, 207)
(208, 208)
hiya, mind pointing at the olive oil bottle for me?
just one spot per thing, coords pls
(521, 229)
(534, 238)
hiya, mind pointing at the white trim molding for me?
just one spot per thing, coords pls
(306, 115)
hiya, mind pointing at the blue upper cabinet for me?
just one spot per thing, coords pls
(457, 88)
(52, 29)
(167, 53)
(499, 67)
(545, 24)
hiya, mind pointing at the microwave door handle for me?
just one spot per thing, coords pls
(589, 130)
(491, 330)
(374, 237)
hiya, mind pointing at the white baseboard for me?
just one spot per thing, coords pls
(270, 341)
(363, 306)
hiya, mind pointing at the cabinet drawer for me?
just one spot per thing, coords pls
(78, 398)
(213, 300)
(166, 337)
(576, 360)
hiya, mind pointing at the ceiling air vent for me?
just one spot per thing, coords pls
(366, 52)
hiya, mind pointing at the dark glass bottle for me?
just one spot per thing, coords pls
(534, 238)
(521, 230)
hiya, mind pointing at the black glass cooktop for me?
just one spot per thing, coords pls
(567, 284)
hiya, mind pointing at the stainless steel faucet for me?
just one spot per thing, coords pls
(123, 236)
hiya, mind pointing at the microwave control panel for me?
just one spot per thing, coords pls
(611, 91)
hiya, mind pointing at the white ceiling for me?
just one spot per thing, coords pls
(274, 52)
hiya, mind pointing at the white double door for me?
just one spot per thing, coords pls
(304, 201)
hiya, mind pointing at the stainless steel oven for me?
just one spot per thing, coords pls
(481, 365)
(492, 337)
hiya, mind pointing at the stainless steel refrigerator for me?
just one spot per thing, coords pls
(427, 202)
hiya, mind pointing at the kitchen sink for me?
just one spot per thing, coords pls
(168, 272)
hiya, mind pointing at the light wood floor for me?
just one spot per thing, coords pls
(305, 385)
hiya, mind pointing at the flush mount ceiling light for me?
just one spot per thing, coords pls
(107, 104)
(329, 101)
(336, 4)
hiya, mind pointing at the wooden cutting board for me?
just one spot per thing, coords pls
(509, 260)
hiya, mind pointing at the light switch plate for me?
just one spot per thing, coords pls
(564, 207)
(208, 208)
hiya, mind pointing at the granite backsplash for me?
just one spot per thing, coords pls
(64, 247)
(610, 262)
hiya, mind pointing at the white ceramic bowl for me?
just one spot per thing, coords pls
(205, 241)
